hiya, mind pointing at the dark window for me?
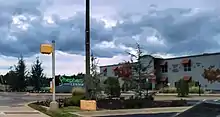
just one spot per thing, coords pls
(187, 66)
(105, 72)
(164, 68)
(197, 84)
(115, 73)
(176, 84)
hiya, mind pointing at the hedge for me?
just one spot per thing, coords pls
(174, 90)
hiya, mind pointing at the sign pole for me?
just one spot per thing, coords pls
(53, 104)
(53, 69)
(50, 49)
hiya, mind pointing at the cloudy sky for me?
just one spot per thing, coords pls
(163, 27)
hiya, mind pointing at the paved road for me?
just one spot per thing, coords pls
(11, 99)
(14, 104)
(133, 112)
(146, 115)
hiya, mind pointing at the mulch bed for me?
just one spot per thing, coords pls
(122, 103)
(141, 103)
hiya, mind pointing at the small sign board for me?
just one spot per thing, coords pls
(46, 48)
(89, 105)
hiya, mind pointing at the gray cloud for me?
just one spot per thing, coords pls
(167, 30)
(180, 29)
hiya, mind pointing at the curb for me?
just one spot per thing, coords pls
(196, 95)
(48, 94)
(26, 105)
(129, 111)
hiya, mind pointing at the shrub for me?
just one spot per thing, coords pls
(174, 90)
(182, 88)
(112, 87)
(169, 90)
(78, 91)
(73, 101)
(195, 90)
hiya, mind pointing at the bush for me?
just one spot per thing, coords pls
(169, 90)
(112, 87)
(73, 101)
(195, 90)
(182, 88)
(78, 91)
(174, 90)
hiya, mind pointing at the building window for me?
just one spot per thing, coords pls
(176, 84)
(187, 67)
(186, 64)
(115, 71)
(164, 68)
(105, 72)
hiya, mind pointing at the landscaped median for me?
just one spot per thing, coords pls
(77, 103)
(73, 111)
(61, 112)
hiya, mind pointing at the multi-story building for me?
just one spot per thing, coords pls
(170, 70)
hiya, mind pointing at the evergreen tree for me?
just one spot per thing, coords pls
(10, 79)
(20, 79)
(37, 75)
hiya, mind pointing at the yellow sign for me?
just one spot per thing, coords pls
(46, 48)
(88, 105)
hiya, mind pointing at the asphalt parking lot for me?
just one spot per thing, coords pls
(146, 115)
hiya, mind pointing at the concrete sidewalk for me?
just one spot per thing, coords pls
(190, 97)
(48, 94)
(131, 111)
(21, 110)
(192, 94)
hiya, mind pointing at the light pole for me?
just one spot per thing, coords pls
(50, 49)
(87, 49)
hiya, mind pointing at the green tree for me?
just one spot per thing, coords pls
(112, 87)
(182, 88)
(37, 75)
(80, 76)
(142, 71)
(2, 81)
(45, 82)
(95, 79)
(57, 80)
(9, 79)
(20, 79)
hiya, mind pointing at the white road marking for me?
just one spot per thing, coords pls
(2, 113)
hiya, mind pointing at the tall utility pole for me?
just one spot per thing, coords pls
(87, 48)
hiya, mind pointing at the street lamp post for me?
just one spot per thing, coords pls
(50, 49)
(87, 49)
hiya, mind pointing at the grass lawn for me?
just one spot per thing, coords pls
(62, 112)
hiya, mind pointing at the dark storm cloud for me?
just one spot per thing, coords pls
(178, 30)
(68, 33)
